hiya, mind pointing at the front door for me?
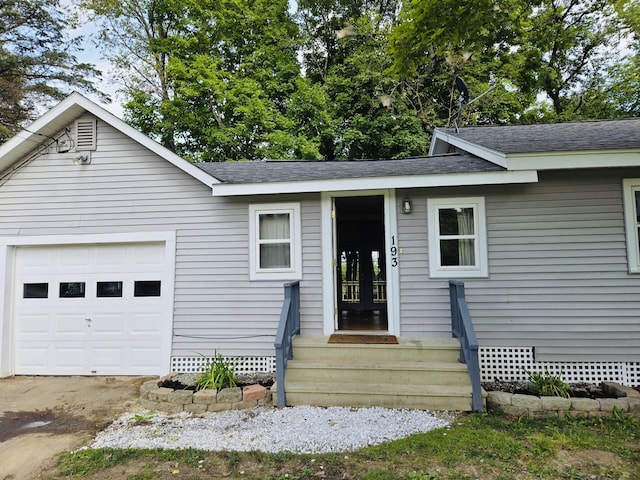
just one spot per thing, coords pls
(361, 263)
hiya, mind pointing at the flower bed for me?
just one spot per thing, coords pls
(621, 399)
(155, 396)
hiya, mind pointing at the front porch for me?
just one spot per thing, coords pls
(415, 373)
(423, 373)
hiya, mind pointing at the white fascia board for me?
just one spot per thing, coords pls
(574, 160)
(493, 156)
(71, 108)
(147, 142)
(377, 183)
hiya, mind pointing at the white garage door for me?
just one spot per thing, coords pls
(91, 310)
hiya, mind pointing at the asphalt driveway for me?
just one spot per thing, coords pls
(41, 417)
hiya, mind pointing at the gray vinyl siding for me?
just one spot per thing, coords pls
(558, 276)
(128, 188)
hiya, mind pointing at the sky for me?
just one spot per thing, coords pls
(91, 54)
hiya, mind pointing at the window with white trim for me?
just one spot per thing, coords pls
(631, 193)
(275, 242)
(457, 238)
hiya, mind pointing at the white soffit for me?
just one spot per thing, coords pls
(376, 183)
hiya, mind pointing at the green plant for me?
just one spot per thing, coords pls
(143, 418)
(547, 385)
(217, 373)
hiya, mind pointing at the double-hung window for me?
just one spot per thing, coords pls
(274, 231)
(631, 192)
(457, 237)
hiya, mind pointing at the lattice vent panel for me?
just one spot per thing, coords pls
(633, 374)
(242, 365)
(505, 363)
(513, 363)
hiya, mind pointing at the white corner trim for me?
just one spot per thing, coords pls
(6, 294)
(393, 272)
(328, 272)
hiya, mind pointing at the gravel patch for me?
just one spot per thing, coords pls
(292, 429)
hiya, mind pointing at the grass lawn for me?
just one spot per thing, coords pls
(473, 447)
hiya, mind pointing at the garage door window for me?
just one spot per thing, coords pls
(35, 290)
(108, 289)
(146, 288)
(72, 290)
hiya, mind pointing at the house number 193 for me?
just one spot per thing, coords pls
(394, 252)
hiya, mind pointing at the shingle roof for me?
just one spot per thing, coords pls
(570, 136)
(289, 171)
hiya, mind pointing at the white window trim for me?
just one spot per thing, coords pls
(481, 269)
(631, 185)
(295, 271)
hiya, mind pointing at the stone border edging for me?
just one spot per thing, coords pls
(163, 399)
(628, 401)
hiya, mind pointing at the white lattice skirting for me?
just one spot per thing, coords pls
(510, 363)
(496, 363)
(241, 364)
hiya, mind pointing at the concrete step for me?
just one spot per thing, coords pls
(375, 373)
(415, 373)
(426, 397)
(317, 348)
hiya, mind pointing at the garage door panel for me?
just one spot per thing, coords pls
(144, 357)
(111, 256)
(34, 326)
(72, 326)
(36, 259)
(73, 259)
(32, 356)
(78, 330)
(144, 324)
(69, 357)
(107, 357)
(108, 326)
(147, 255)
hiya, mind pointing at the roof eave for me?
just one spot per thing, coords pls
(574, 159)
(493, 156)
(68, 110)
(375, 183)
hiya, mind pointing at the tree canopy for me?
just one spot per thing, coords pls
(564, 59)
(218, 80)
(38, 62)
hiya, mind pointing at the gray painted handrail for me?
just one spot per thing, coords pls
(288, 327)
(462, 328)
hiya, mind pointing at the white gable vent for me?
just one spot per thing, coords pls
(86, 134)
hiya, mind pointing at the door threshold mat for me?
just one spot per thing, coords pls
(364, 339)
